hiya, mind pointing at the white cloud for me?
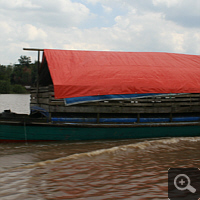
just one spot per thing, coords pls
(92, 1)
(136, 26)
(177, 39)
(84, 46)
(63, 13)
(107, 9)
(5, 28)
(168, 3)
(149, 32)
(33, 33)
(14, 4)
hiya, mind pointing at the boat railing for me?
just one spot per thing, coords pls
(170, 104)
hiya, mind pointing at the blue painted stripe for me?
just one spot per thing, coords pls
(143, 120)
(187, 119)
(125, 120)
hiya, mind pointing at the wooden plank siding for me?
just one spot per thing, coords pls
(184, 103)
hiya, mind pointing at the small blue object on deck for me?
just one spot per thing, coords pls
(40, 110)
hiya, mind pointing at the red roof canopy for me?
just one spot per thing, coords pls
(89, 73)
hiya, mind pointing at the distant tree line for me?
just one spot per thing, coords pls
(13, 78)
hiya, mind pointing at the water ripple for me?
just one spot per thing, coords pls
(128, 171)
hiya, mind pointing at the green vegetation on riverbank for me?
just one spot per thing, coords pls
(14, 78)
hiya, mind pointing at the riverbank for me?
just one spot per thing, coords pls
(7, 88)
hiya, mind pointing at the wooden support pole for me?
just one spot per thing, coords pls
(32, 49)
(170, 117)
(138, 118)
(98, 116)
(38, 67)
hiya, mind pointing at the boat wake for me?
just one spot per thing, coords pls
(135, 169)
(148, 145)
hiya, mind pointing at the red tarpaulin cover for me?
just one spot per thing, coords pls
(89, 73)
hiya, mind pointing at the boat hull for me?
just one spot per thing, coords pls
(20, 132)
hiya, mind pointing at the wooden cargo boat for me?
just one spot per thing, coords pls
(85, 95)
(16, 130)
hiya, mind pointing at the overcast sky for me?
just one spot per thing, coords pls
(119, 25)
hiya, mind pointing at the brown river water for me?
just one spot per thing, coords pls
(121, 169)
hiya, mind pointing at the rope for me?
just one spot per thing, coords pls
(25, 135)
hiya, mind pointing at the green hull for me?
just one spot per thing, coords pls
(12, 132)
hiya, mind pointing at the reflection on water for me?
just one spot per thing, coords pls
(129, 169)
(18, 103)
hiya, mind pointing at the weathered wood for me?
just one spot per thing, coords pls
(98, 117)
(43, 95)
(40, 101)
(170, 117)
(140, 103)
(169, 104)
(150, 104)
(177, 99)
(102, 109)
(42, 89)
(32, 49)
(138, 117)
(46, 98)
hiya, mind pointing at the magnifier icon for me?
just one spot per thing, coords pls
(186, 185)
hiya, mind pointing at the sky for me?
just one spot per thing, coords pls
(112, 25)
